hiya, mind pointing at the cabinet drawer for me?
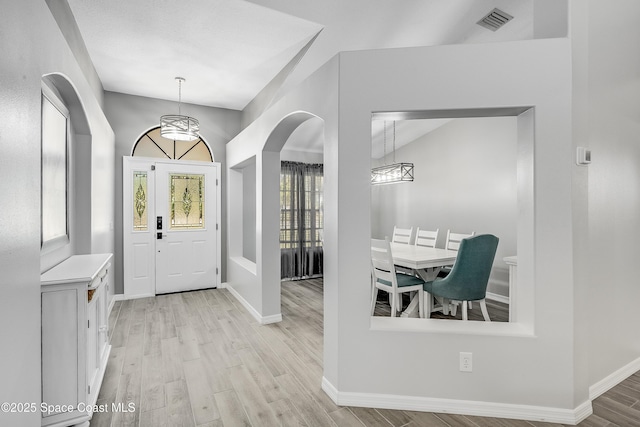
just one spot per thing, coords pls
(101, 277)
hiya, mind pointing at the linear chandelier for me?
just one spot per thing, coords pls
(177, 126)
(393, 173)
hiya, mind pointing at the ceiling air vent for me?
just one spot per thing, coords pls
(495, 19)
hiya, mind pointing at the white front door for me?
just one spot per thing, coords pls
(186, 207)
(170, 219)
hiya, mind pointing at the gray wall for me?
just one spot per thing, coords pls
(69, 28)
(607, 200)
(32, 46)
(531, 73)
(465, 180)
(249, 211)
(131, 116)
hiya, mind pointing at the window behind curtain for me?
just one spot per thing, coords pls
(301, 219)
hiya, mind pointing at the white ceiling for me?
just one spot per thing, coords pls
(229, 50)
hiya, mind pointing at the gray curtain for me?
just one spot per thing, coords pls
(301, 220)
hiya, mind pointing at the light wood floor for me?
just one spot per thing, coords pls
(199, 359)
(498, 311)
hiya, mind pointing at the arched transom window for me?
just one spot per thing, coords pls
(151, 144)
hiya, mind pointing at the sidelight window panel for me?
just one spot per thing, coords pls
(140, 215)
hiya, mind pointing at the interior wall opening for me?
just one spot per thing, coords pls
(471, 176)
(302, 203)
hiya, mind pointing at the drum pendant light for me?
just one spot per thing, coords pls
(179, 127)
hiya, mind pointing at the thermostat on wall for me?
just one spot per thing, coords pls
(583, 156)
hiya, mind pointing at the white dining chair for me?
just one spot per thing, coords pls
(402, 235)
(426, 238)
(385, 278)
(452, 243)
(453, 240)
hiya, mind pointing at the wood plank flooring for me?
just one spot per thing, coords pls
(498, 311)
(199, 359)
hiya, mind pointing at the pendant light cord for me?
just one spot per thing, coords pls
(384, 152)
(179, 96)
(394, 142)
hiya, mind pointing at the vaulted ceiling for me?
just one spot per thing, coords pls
(229, 50)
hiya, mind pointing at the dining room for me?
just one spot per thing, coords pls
(464, 183)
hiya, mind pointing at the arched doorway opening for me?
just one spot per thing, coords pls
(298, 138)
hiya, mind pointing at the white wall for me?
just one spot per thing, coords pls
(259, 284)
(131, 116)
(529, 74)
(533, 368)
(32, 46)
(608, 114)
(464, 180)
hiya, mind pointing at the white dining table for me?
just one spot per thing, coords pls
(427, 263)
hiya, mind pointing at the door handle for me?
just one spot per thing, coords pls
(160, 236)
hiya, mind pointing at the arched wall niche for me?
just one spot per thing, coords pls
(78, 173)
(63, 86)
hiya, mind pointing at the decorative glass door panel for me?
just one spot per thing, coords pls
(138, 233)
(186, 201)
(170, 234)
(140, 191)
(186, 242)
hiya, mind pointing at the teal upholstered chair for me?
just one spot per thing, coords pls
(469, 276)
(384, 277)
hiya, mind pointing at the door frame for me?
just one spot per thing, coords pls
(129, 165)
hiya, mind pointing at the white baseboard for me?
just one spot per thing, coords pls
(497, 297)
(116, 297)
(460, 407)
(331, 391)
(123, 297)
(614, 379)
(263, 320)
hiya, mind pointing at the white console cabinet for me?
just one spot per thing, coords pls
(75, 337)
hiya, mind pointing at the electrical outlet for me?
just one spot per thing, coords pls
(466, 362)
